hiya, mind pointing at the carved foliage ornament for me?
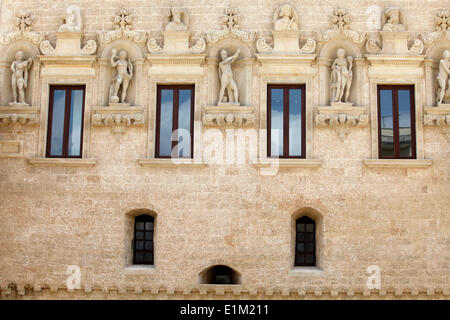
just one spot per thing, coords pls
(231, 28)
(123, 22)
(117, 121)
(22, 24)
(16, 122)
(442, 28)
(340, 21)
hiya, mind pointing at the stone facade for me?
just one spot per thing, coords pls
(56, 213)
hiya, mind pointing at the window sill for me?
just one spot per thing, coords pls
(306, 272)
(397, 163)
(289, 163)
(139, 269)
(171, 163)
(62, 162)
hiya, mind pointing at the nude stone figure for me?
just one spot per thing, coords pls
(341, 77)
(394, 23)
(124, 73)
(443, 78)
(226, 77)
(286, 18)
(19, 77)
(177, 20)
(72, 18)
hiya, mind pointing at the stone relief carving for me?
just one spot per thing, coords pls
(19, 78)
(442, 28)
(285, 18)
(392, 20)
(438, 117)
(122, 77)
(443, 90)
(177, 20)
(226, 79)
(341, 118)
(16, 120)
(340, 21)
(341, 77)
(72, 19)
(118, 121)
(285, 34)
(231, 28)
(23, 25)
(176, 35)
(123, 23)
(232, 115)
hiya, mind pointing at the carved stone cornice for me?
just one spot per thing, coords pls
(118, 117)
(16, 118)
(286, 41)
(176, 42)
(340, 21)
(286, 64)
(22, 23)
(123, 21)
(228, 115)
(394, 42)
(341, 117)
(68, 44)
(438, 116)
(231, 28)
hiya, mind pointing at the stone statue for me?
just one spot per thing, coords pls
(178, 20)
(443, 95)
(285, 18)
(72, 19)
(124, 73)
(226, 77)
(341, 77)
(393, 20)
(19, 78)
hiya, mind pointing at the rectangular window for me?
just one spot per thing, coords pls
(175, 121)
(396, 123)
(65, 122)
(286, 121)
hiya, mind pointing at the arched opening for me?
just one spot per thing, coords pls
(219, 274)
(305, 244)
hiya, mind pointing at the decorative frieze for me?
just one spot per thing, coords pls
(118, 117)
(22, 24)
(341, 117)
(228, 115)
(123, 23)
(231, 28)
(17, 117)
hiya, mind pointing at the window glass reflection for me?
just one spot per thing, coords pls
(295, 122)
(75, 126)
(184, 122)
(404, 122)
(387, 123)
(57, 132)
(165, 125)
(276, 120)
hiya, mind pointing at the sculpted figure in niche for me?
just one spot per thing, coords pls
(226, 78)
(341, 77)
(178, 20)
(286, 18)
(394, 21)
(19, 77)
(72, 19)
(124, 73)
(443, 78)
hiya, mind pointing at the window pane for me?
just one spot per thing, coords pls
(149, 225)
(404, 121)
(165, 131)
(300, 246)
(148, 235)
(139, 235)
(140, 225)
(295, 122)
(310, 237)
(310, 247)
(139, 245)
(300, 258)
(301, 227)
(148, 257)
(300, 237)
(148, 245)
(310, 227)
(276, 120)
(184, 122)
(76, 116)
(387, 123)
(309, 258)
(59, 106)
(139, 257)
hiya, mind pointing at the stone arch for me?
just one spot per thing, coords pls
(134, 51)
(330, 48)
(435, 51)
(230, 44)
(219, 274)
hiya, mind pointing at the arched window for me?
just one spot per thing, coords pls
(143, 240)
(305, 245)
(220, 274)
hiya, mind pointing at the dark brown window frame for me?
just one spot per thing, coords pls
(176, 89)
(144, 218)
(305, 220)
(395, 120)
(65, 151)
(286, 88)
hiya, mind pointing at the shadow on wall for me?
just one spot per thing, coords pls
(219, 274)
